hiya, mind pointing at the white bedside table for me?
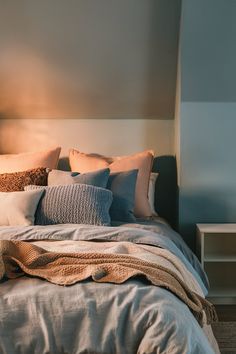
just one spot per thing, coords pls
(216, 249)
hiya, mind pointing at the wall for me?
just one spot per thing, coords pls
(207, 121)
(88, 59)
(114, 136)
(98, 75)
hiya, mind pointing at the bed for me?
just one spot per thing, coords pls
(93, 315)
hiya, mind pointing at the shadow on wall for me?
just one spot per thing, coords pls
(205, 206)
(162, 58)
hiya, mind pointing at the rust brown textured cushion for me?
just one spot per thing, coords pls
(16, 181)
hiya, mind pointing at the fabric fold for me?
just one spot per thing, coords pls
(19, 258)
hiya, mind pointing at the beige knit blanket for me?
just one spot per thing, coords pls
(65, 268)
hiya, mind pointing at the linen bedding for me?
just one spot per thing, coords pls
(92, 317)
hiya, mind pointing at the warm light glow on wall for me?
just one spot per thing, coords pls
(83, 61)
(28, 86)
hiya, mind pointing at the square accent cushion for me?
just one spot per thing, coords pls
(73, 204)
(81, 162)
(18, 208)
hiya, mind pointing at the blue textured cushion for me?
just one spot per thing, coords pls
(122, 185)
(96, 178)
(75, 204)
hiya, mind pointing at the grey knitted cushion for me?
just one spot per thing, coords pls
(75, 204)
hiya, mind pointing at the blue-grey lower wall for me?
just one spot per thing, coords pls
(206, 114)
(207, 165)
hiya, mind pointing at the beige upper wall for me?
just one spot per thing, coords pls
(88, 58)
(95, 59)
(109, 137)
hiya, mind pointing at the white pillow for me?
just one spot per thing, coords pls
(151, 192)
(18, 208)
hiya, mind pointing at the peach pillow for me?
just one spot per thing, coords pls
(81, 162)
(29, 160)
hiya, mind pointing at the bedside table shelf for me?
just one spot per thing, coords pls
(216, 292)
(220, 258)
(220, 296)
(216, 249)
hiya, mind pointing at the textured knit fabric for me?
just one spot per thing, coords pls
(16, 181)
(69, 268)
(75, 204)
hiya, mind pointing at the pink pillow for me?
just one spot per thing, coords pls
(29, 160)
(81, 162)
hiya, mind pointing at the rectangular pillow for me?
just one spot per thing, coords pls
(122, 185)
(16, 181)
(29, 160)
(97, 178)
(142, 162)
(18, 208)
(75, 204)
(151, 192)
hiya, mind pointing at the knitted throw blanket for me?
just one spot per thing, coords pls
(18, 258)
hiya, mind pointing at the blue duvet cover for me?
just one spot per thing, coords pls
(37, 317)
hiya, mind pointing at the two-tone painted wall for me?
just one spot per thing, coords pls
(206, 128)
(112, 64)
(97, 75)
